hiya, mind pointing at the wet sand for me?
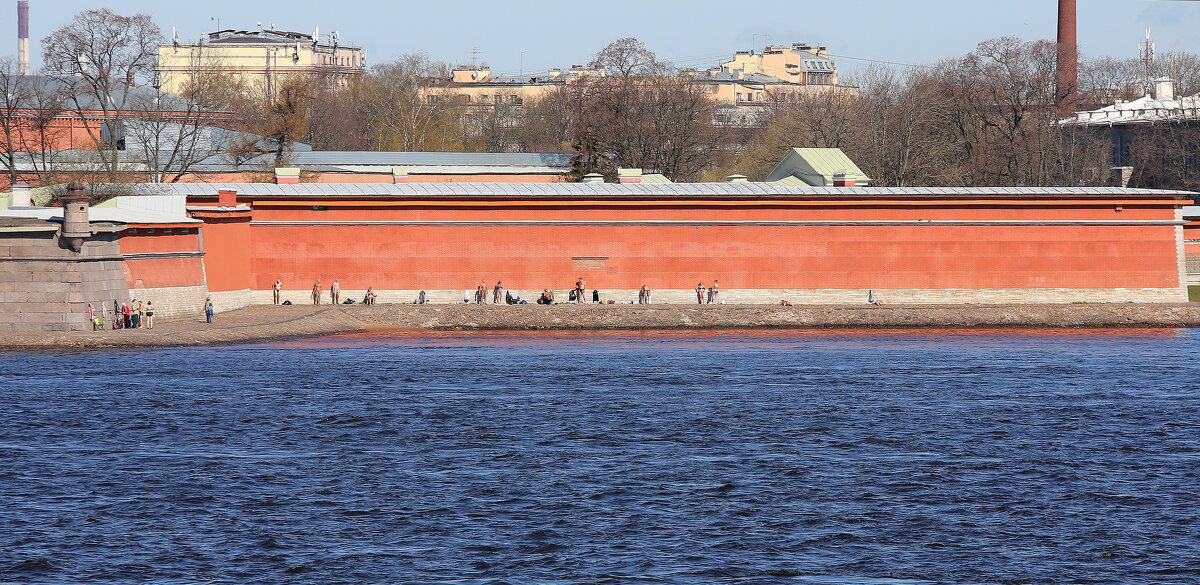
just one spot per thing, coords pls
(263, 323)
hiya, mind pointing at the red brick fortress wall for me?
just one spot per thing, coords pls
(792, 244)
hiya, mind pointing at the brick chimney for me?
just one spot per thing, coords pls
(399, 175)
(1067, 78)
(227, 198)
(841, 180)
(287, 176)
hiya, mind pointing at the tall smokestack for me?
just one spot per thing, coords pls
(23, 36)
(1068, 58)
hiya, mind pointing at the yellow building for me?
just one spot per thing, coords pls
(477, 86)
(740, 86)
(260, 58)
(798, 64)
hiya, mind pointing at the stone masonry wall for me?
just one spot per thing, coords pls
(46, 287)
(174, 302)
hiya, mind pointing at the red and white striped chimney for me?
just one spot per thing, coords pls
(23, 36)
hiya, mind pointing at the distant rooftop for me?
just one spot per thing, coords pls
(1163, 106)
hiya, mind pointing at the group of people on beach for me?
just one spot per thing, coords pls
(499, 294)
(318, 293)
(335, 292)
(131, 315)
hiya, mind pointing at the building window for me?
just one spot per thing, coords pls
(514, 100)
(113, 133)
(499, 99)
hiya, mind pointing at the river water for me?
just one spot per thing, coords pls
(885, 457)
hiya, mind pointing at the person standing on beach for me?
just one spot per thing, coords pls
(127, 315)
(208, 310)
(116, 315)
(276, 289)
(480, 294)
(149, 314)
(335, 291)
(316, 294)
(716, 292)
(137, 314)
(499, 288)
(91, 315)
(699, 293)
(579, 291)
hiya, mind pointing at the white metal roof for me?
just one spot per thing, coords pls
(626, 190)
(110, 214)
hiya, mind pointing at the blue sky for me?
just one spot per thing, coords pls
(697, 33)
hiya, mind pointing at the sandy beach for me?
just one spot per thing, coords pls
(262, 323)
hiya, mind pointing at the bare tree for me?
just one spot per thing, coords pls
(663, 124)
(275, 116)
(548, 124)
(628, 57)
(14, 107)
(32, 128)
(100, 57)
(403, 109)
(336, 123)
(171, 134)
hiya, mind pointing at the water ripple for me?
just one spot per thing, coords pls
(822, 458)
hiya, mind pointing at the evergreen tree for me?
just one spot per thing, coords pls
(591, 156)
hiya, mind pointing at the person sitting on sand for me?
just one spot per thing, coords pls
(784, 303)
(369, 298)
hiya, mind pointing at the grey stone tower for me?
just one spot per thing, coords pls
(76, 226)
